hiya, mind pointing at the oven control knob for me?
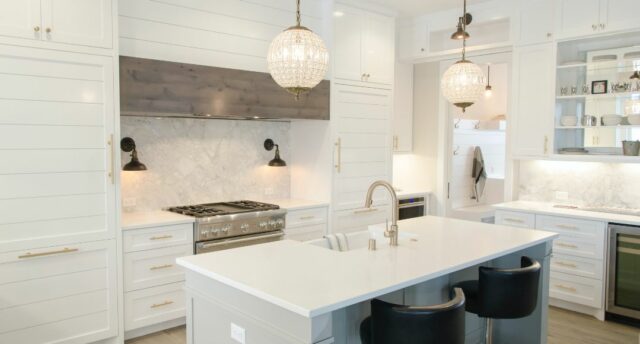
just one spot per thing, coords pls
(244, 227)
(280, 223)
(215, 232)
(272, 224)
(226, 229)
(262, 225)
(205, 234)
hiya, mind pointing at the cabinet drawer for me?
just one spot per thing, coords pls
(579, 247)
(154, 305)
(515, 219)
(584, 291)
(348, 221)
(582, 229)
(151, 268)
(150, 238)
(306, 217)
(55, 294)
(585, 267)
(305, 233)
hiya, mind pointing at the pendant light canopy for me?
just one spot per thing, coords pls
(297, 58)
(463, 83)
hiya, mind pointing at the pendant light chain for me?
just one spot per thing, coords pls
(464, 29)
(298, 19)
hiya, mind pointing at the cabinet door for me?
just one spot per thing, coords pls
(403, 108)
(80, 22)
(348, 28)
(56, 122)
(533, 100)
(577, 18)
(20, 18)
(378, 49)
(618, 15)
(536, 22)
(363, 144)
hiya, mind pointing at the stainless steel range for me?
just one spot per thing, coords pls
(225, 225)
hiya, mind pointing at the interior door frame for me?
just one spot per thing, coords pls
(445, 128)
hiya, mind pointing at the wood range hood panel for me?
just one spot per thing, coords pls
(170, 89)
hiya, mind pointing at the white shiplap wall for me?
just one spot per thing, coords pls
(222, 33)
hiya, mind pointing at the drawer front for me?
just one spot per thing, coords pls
(146, 269)
(575, 228)
(348, 221)
(154, 305)
(306, 217)
(515, 219)
(306, 233)
(151, 238)
(59, 294)
(580, 290)
(579, 247)
(590, 268)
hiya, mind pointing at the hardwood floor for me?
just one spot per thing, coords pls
(564, 328)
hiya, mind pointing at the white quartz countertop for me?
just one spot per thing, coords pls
(407, 193)
(145, 219)
(311, 280)
(549, 209)
(296, 204)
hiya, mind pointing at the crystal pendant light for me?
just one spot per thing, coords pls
(297, 58)
(463, 83)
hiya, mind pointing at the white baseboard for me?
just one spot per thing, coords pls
(594, 312)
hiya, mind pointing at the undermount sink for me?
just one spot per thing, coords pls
(360, 240)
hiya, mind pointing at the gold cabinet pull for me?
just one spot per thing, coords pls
(338, 164)
(160, 267)
(111, 164)
(570, 227)
(508, 219)
(50, 253)
(48, 30)
(161, 237)
(36, 28)
(568, 265)
(395, 142)
(364, 211)
(567, 245)
(307, 217)
(546, 144)
(571, 289)
(166, 303)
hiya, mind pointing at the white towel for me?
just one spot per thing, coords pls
(338, 242)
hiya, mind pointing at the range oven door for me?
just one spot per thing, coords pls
(225, 244)
(623, 294)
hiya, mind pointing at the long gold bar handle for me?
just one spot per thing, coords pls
(166, 303)
(111, 163)
(573, 228)
(159, 267)
(567, 245)
(513, 220)
(546, 144)
(571, 289)
(338, 165)
(569, 265)
(161, 237)
(307, 217)
(50, 253)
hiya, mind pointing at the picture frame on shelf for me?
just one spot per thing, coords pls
(599, 87)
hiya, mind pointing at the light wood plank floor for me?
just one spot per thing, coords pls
(564, 328)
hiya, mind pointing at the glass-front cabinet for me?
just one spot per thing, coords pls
(597, 108)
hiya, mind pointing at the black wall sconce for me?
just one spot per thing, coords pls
(277, 161)
(127, 144)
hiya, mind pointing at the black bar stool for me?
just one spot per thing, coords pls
(503, 293)
(395, 324)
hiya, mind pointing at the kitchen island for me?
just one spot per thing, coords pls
(293, 292)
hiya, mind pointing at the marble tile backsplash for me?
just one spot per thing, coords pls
(193, 161)
(587, 183)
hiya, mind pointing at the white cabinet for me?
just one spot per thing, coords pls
(86, 22)
(533, 92)
(535, 22)
(59, 294)
(306, 224)
(515, 219)
(403, 108)
(364, 46)
(575, 18)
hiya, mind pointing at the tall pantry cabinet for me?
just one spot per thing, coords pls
(361, 114)
(59, 207)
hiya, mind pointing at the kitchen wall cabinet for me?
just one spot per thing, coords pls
(403, 108)
(533, 92)
(535, 22)
(364, 47)
(576, 18)
(87, 22)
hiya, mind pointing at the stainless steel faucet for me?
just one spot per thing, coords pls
(391, 233)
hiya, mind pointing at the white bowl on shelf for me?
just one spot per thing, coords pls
(569, 120)
(611, 120)
(634, 119)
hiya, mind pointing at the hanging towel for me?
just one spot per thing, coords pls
(338, 242)
(478, 174)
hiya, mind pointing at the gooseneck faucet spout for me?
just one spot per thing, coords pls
(391, 233)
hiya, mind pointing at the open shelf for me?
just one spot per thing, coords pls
(573, 65)
(601, 96)
(585, 158)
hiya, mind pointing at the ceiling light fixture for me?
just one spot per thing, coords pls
(488, 91)
(276, 161)
(297, 59)
(463, 83)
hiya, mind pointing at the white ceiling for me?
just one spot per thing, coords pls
(420, 7)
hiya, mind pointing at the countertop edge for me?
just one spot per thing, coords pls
(575, 213)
